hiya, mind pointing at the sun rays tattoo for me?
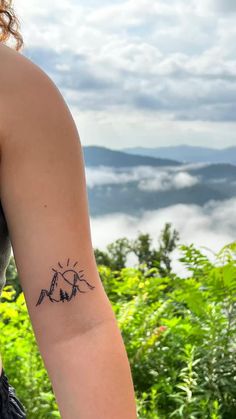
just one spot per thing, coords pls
(65, 284)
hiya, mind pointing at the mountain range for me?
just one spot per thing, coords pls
(185, 153)
(96, 156)
(160, 183)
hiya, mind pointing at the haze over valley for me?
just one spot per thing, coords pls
(127, 195)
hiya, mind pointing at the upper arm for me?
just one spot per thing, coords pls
(44, 198)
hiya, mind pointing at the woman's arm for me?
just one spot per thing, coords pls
(44, 197)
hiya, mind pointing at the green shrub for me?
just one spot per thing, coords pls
(180, 336)
(21, 359)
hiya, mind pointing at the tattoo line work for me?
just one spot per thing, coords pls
(65, 285)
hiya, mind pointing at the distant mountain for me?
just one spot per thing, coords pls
(166, 182)
(216, 171)
(102, 156)
(129, 199)
(185, 153)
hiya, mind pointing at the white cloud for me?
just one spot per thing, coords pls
(165, 181)
(220, 6)
(209, 227)
(149, 178)
(170, 65)
(184, 180)
(107, 175)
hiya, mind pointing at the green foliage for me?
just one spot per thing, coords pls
(13, 279)
(117, 253)
(180, 336)
(21, 359)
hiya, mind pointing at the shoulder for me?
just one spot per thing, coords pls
(17, 72)
(16, 69)
(24, 89)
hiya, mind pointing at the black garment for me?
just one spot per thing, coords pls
(10, 406)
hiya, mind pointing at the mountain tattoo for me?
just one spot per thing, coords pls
(65, 285)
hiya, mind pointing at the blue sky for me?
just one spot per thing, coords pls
(139, 72)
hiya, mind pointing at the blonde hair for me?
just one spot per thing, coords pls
(9, 24)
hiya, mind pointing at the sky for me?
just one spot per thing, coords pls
(139, 72)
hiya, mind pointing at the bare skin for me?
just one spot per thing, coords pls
(43, 195)
(3, 233)
(4, 236)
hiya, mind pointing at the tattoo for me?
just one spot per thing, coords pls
(65, 285)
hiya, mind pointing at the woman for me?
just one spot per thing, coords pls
(45, 212)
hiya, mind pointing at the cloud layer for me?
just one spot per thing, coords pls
(148, 178)
(209, 227)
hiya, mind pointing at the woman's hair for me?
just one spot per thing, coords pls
(9, 24)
